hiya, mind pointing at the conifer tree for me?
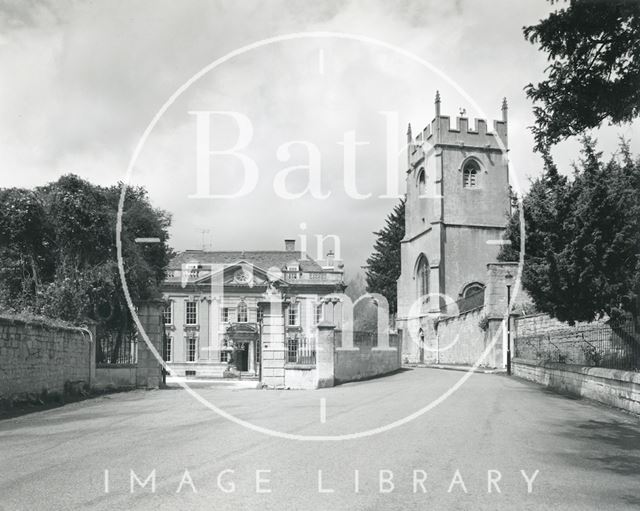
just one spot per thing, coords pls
(383, 268)
(582, 242)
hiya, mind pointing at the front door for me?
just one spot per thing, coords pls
(242, 357)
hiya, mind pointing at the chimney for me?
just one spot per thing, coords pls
(290, 245)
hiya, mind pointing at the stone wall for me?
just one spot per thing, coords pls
(335, 364)
(38, 358)
(609, 386)
(463, 341)
(364, 362)
(300, 376)
(540, 324)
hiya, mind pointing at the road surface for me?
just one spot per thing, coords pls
(475, 450)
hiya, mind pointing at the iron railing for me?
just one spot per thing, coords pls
(116, 349)
(301, 350)
(610, 345)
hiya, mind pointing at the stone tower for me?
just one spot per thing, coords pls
(457, 205)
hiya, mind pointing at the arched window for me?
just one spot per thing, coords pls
(470, 174)
(472, 289)
(472, 297)
(422, 183)
(242, 312)
(422, 276)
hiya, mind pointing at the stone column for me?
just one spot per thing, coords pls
(325, 352)
(251, 357)
(214, 327)
(149, 369)
(495, 307)
(92, 326)
(204, 344)
(273, 343)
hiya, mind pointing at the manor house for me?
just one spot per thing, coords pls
(216, 302)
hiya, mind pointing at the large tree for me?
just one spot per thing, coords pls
(594, 73)
(383, 265)
(582, 242)
(58, 251)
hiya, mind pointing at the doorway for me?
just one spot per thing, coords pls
(242, 357)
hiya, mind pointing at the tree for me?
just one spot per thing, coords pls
(58, 252)
(582, 256)
(594, 72)
(365, 312)
(383, 268)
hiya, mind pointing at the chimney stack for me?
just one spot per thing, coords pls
(290, 245)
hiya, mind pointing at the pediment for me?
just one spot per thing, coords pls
(241, 274)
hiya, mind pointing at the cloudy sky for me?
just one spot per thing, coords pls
(81, 81)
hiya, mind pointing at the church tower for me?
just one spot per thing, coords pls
(457, 204)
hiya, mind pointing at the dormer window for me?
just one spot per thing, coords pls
(470, 174)
(293, 266)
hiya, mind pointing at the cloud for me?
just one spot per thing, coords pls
(81, 80)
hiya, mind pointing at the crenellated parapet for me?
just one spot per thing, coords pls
(473, 135)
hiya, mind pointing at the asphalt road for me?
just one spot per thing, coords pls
(586, 456)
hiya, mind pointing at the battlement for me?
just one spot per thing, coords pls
(476, 134)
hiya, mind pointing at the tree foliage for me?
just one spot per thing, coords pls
(582, 247)
(58, 251)
(594, 72)
(383, 268)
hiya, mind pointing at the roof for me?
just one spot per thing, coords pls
(261, 259)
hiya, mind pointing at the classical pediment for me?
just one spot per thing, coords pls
(240, 274)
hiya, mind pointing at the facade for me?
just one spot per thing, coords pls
(221, 306)
(458, 199)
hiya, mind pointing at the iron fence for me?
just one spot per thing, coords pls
(301, 350)
(610, 345)
(114, 348)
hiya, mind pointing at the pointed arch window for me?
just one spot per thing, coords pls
(422, 277)
(471, 174)
(422, 183)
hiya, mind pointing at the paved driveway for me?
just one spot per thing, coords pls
(491, 429)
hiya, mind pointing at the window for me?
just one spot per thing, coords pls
(470, 174)
(167, 314)
(422, 183)
(192, 349)
(318, 315)
(294, 314)
(422, 276)
(260, 314)
(472, 289)
(224, 315)
(242, 312)
(472, 297)
(168, 350)
(225, 356)
(191, 313)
